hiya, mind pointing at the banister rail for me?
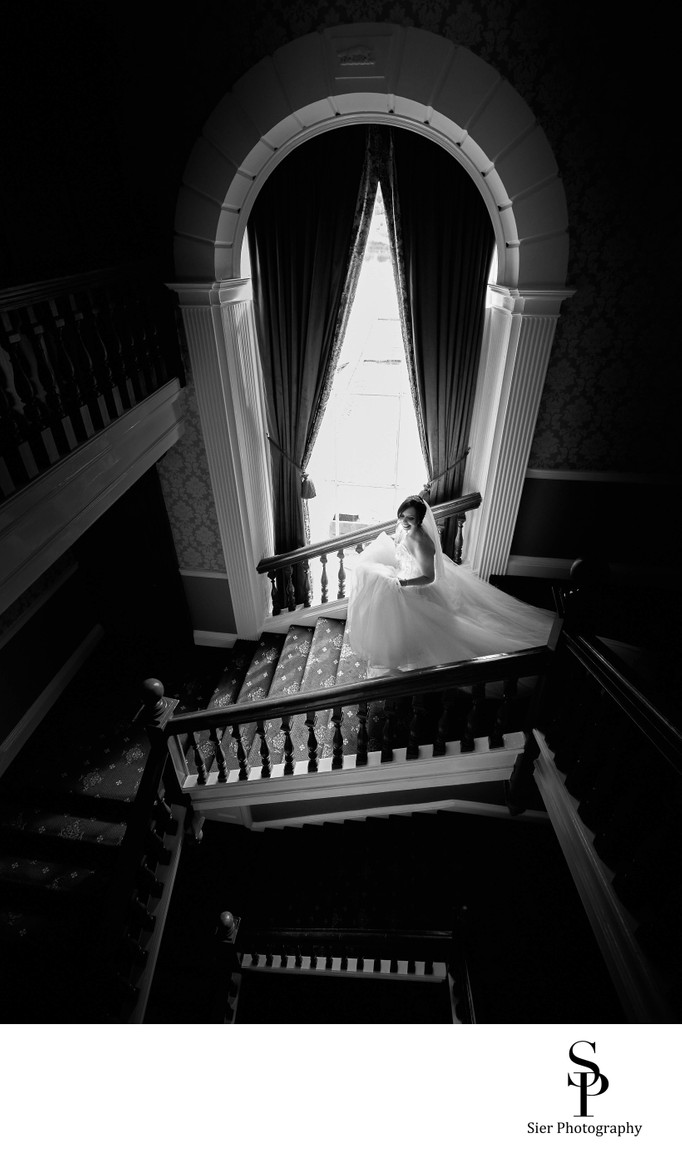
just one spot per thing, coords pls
(608, 768)
(76, 353)
(352, 538)
(599, 662)
(355, 934)
(26, 294)
(467, 672)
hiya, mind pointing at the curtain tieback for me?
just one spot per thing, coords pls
(307, 486)
(427, 486)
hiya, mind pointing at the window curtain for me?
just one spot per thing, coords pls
(442, 241)
(306, 240)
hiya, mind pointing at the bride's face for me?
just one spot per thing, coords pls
(408, 519)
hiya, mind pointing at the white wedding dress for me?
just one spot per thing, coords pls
(457, 616)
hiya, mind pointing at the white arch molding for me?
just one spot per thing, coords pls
(422, 82)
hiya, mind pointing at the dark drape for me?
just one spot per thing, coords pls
(303, 231)
(443, 243)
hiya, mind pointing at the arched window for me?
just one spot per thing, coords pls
(367, 455)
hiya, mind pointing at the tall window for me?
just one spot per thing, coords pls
(367, 454)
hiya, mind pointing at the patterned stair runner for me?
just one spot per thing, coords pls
(313, 658)
(352, 669)
(64, 804)
(225, 692)
(286, 680)
(43, 873)
(255, 684)
(61, 825)
(320, 671)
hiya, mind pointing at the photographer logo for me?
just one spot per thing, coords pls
(587, 1079)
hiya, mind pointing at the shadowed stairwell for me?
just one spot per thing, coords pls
(530, 953)
(461, 867)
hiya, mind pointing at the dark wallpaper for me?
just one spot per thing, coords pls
(102, 103)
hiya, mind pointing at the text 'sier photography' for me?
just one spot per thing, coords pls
(591, 1083)
(616, 1087)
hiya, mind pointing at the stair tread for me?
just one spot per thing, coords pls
(231, 678)
(286, 680)
(225, 692)
(320, 671)
(39, 871)
(329, 659)
(19, 818)
(256, 683)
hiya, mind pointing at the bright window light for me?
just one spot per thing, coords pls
(367, 456)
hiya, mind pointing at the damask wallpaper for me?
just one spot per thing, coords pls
(608, 403)
(187, 493)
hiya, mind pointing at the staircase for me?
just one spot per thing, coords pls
(67, 807)
(392, 889)
(67, 802)
(463, 723)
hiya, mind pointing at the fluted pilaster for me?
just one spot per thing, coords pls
(519, 337)
(250, 417)
(219, 328)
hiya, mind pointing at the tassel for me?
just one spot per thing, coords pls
(307, 487)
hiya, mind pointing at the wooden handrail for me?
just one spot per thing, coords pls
(487, 669)
(355, 933)
(598, 660)
(352, 538)
(23, 295)
(76, 353)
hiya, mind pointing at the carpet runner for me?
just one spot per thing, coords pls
(308, 658)
(65, 800)
(64, 805)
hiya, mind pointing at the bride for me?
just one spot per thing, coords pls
(410, 606)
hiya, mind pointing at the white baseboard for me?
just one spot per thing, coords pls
(20, 734)
(539, 566)
(305, 616)
(214, 638)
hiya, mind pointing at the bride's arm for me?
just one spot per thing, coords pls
(424, 555)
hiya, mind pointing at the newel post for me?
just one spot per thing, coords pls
(227, 968)
(156, 710)
(517, 788)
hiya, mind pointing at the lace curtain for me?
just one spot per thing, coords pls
(442, 240)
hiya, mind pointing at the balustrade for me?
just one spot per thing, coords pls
(75, 354)
(280, 568)
(431, 710)
(619, 757)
